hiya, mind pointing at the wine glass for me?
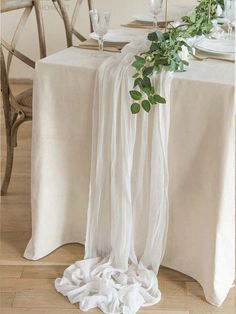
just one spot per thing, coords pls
(229, 13)
(100, 22)
(155, 8)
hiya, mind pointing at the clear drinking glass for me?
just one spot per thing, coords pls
(155, 8)
(229, 14)
(100, 21)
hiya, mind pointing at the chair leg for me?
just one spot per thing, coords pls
(11, 135)
(8, 169)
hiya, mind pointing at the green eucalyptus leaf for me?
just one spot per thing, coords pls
(152, 100)
(146, 82)
(135, 107)
(162, 61)
(193, 17)
(146, 105)
(173, 66)
(159, 99)
(137, 81)
(185, 18)
(135, 75)
(146, 90)
(138, 65)
(160, 36)
(166, 36)
(153, 47)
(140, 59)
(148, 71)
(136, 95)
(152, 36)
(157, 67)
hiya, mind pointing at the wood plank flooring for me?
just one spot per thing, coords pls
(27, 287)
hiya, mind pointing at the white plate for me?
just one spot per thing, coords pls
(222, 20)
(175, 12)
(124, 35)
(216, 46)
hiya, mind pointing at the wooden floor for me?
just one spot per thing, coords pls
(27, 287)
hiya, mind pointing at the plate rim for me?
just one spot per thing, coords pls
(210, 50)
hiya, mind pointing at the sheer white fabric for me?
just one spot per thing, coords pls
(128, 193)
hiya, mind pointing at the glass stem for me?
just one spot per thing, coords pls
(229, 30)
(155, 24)
(100, 43)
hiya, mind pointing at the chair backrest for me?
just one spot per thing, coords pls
(9, 5)
(70, 25)
(61, 9)
(12, 108)
(36, 5)
(5, 94)
(28, 6)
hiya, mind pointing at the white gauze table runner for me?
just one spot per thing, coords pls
(128, 188)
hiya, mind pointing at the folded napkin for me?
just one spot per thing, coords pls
(144, 24)
(92, 44)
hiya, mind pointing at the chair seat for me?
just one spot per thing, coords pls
(25, 101)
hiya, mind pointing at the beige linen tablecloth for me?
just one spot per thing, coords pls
(201, 164)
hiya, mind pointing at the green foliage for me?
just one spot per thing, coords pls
(164, 54)
(135, 107)
(146, 105)
(198, 22)
(136, 95)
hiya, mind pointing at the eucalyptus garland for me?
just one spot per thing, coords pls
(198, 22)
(165, 52)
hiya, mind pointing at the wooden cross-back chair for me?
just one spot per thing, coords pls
(18, 109)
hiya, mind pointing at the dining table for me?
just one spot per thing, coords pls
(201, 162)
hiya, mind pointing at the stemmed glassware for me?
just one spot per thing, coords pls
(100, 22)
(155, 8)
(229, 14)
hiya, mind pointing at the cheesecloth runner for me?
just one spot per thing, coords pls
(128, 193)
